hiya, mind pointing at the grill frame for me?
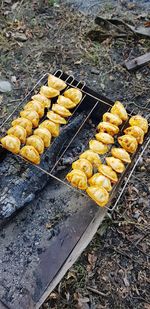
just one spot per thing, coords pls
(88, 93)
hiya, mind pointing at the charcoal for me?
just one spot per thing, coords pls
(20, 180)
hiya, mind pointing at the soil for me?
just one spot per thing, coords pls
(39, 37)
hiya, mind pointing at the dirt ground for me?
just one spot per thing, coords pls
(41, 36)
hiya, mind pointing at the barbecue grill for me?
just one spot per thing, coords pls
(39, 277)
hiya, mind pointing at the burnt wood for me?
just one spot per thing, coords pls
(138, 62)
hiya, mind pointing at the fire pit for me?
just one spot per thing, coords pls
(46, 237)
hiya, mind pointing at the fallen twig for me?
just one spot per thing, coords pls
(140, 239)
(96, 291)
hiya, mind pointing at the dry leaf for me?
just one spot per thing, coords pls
(146, 306)
(147, 24)
(131, 6)
(126, 282)
(89, 268)
(92, 258)
(82, 301)
(71, 274)
(1, 98)
(48, 225)
(53, 296)
(67, 296)
(78, 62)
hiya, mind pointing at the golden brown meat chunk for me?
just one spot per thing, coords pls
(98, 147)
(52, 127)
(56, 82)
(92, 157)
(25, 123)
(67, 103)
(105, 138)
(74, 94)
(78, 179)
(19, 132)
(49, 92)
(31, 154)
(37, 142)
(118, 109)
(83, 165)
(108, 172)
(112, 118)
(137, 132)
(107, 127)
(98, 194)
(115, 164)
(36, 106)
(61, 110)
(56, 118)
(101, 181)
(139, 121)
(42, 99)
(121, 154)
(45, 135)
(128, 142)
(11, 143)
(32, 116)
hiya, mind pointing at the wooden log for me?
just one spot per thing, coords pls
(138, 62)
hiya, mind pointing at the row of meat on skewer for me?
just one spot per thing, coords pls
(88, 173)
(27, 130)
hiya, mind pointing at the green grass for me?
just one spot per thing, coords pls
(52, 2)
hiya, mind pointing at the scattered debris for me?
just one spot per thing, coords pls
(116, 28)
(82, 302)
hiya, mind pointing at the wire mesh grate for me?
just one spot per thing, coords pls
(97, 102)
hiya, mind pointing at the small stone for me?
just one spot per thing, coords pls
(56, 5)
(111, 77)
(7, 1)
(39, 250)
(102, 86)
(14, 6)
(147, 161)
(78, 62)
(141, 201)
(140, 162)
(20, 37)
(131, 6)
(13, 79)
(138, 76)
(95, 71)
(136, 214)
(5, 86)
(126, 282)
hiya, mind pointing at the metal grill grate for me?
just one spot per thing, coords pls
(96, 104)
